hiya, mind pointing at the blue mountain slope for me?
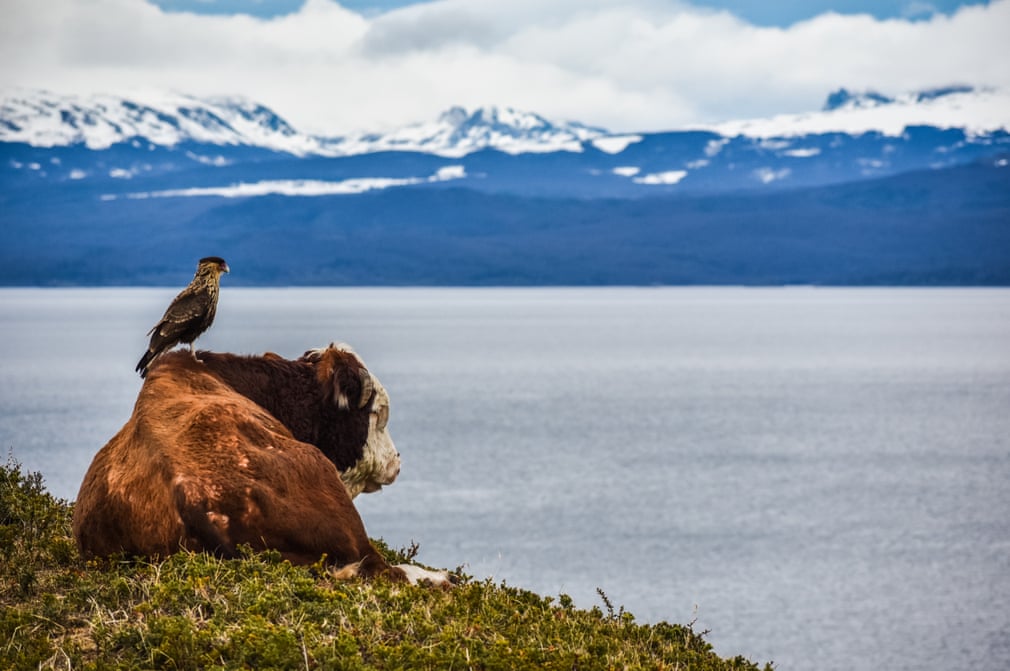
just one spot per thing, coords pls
(700, 162)
(949, 226)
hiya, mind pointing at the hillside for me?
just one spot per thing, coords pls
(193, 611)
(933, 227)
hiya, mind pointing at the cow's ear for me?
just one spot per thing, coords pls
(352, 386)
(346, 381)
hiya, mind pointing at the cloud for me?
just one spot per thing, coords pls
(622, 64)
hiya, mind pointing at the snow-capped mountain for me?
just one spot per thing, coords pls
(44, 119)
(976, 111)
(458, 132)
(874, 188)
(181, 145)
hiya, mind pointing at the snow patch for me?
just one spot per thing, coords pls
(290, 187)
(768, 175)
(661, 178)
(299, 187)
(448, 172)
(976, 111)
(803, 152)
(216, 161)
(615, 144)
(774, 144)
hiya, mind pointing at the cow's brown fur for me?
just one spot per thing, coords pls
(200, 466)
(302, 394)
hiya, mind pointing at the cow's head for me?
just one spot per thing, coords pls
(350, 386)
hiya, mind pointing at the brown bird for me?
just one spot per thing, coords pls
(189, 315)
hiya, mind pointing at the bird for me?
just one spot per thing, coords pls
(190, 313)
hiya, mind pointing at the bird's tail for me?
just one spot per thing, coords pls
(144, 362)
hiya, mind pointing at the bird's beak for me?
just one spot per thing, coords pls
(225, 268)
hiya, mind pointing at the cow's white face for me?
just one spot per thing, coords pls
(380, 462)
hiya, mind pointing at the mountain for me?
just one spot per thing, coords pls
(171, 144)
(912, 188)
(977, 112)
(459, 132)
(845, 99)
(948, 227)
(45, 119)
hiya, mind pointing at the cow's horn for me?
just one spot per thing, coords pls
(367, 388)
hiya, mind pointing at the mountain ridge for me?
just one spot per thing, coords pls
(186, 147)
(46, 119)
(977, 111)
(504, 197)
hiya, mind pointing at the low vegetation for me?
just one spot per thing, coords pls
(194, 611)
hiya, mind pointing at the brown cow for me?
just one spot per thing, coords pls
(233, 450)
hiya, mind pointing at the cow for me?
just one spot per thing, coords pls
(233, 450)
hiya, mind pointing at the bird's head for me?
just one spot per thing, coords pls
(214, 263)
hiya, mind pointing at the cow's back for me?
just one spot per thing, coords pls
(201, 467)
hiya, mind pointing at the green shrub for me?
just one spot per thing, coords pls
(194, 611)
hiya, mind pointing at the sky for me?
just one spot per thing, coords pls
(780, 13)
(626, 65)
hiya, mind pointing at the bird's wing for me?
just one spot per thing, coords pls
(187, 307)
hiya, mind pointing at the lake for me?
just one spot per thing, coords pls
(821, 477)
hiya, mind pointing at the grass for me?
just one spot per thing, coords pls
(194, 611)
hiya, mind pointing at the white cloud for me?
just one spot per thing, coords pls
(622, 64)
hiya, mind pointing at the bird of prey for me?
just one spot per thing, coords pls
(189, 315)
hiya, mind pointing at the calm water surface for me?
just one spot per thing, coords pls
(820, 476)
